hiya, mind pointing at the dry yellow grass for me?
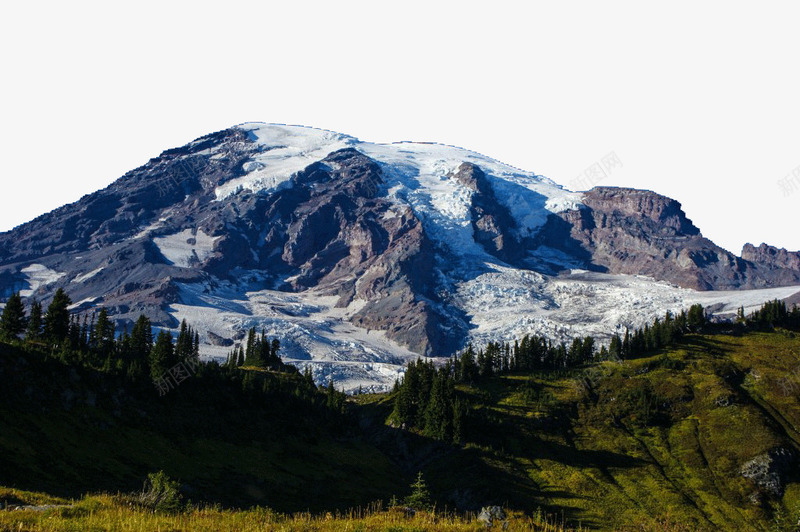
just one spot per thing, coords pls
(103, 512)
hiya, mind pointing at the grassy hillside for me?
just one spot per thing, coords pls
(70, 430)
(651, 439)
(654, 440)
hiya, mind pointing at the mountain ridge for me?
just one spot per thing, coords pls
(361, 256)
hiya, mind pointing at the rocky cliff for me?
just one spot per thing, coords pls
(772, 256)
(622, 230)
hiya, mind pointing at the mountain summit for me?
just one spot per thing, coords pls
(360, 256)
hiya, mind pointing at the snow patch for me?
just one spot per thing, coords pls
(187, 248)
(37, 276)
(86, 276)
(285, 151)
(84, 302)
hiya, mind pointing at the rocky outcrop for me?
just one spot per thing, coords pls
(771, 256)
(620, 230)
(492, 223)
(770, 470)
(490, 515)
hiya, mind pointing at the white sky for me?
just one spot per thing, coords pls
(700, 101)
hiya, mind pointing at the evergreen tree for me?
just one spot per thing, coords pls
(12, 321)
(334, 400)
(75, 342)
(438, 413)
(34, 330)
(696, 318)
(575, 352)
(123, 353)
(184, 345)
(142, 338)
(84, 336)
(141, 343)
(103, 344)
(467, 369)
(56, 320)
(196, 346)
(420, 498)
(587, 350)
(249, 352)
(615, 348)
(162, 356)
(275, 358)
(308, 376)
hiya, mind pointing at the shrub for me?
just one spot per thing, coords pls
(161, 494)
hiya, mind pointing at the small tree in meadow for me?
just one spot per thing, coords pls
(420, 498)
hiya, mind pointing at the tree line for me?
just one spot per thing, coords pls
(426, 398)
(258, 351)
(90, 340)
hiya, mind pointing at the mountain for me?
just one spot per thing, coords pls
(361, 256)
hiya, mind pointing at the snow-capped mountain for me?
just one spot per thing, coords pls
(360, 256)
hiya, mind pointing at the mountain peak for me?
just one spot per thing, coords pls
(360, 256)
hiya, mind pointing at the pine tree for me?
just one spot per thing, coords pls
(334, 399)
(308, 376)
(123, 353)
(56, 320)
(184, 346)
(142, 338)
(12, 322)
(141, 343)
(84, 337)
(603, 353)
(438, 414)
(467, 369)
(696, 318)
(34, 330)
(420, 498)
(162, 356)
(275, 358)
(587, 350)
(103, 336)
(251, 345)
(615, 348)
(196, 346)
(75, 334)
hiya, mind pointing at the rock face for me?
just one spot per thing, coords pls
(361, 256)
(771, 256)
(620, 230)
(770, 470)
(333, 231)
(492, 222)
(490, 515)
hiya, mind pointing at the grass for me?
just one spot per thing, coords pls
(655, 443)
(660, 438)
(107, 512)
